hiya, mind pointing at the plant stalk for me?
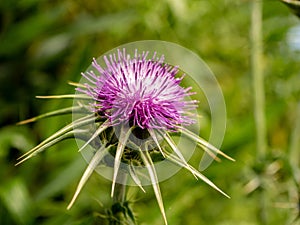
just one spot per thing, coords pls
(256, 37)
(258, 79)
(120, 212)
(295, 140)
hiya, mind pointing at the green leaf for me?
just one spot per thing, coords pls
(18, 137)
(29, 29)
(16, 199)
(66, 176)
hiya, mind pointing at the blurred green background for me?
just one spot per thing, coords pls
(44, 44)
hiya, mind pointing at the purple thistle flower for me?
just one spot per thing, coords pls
(131, 93)
(140, 91)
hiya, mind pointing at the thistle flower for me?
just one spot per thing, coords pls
(135, 105)
(140, 91)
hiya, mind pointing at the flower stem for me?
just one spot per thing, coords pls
(120, 212)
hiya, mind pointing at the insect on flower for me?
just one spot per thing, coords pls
(131, 107)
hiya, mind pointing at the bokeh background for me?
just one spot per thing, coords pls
(44, 44)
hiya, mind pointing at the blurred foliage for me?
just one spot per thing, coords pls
(294, 5)
(43, 44)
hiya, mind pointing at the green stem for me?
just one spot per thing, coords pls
(259, 96)
(258, 79)
(294, 145)
(120, 211)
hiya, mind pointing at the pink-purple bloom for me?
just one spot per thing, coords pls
(133, 92)
(140, 91)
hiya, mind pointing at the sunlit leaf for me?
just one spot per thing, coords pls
(15, 197)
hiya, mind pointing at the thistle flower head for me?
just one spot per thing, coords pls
(140, 96)
(139, 91)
